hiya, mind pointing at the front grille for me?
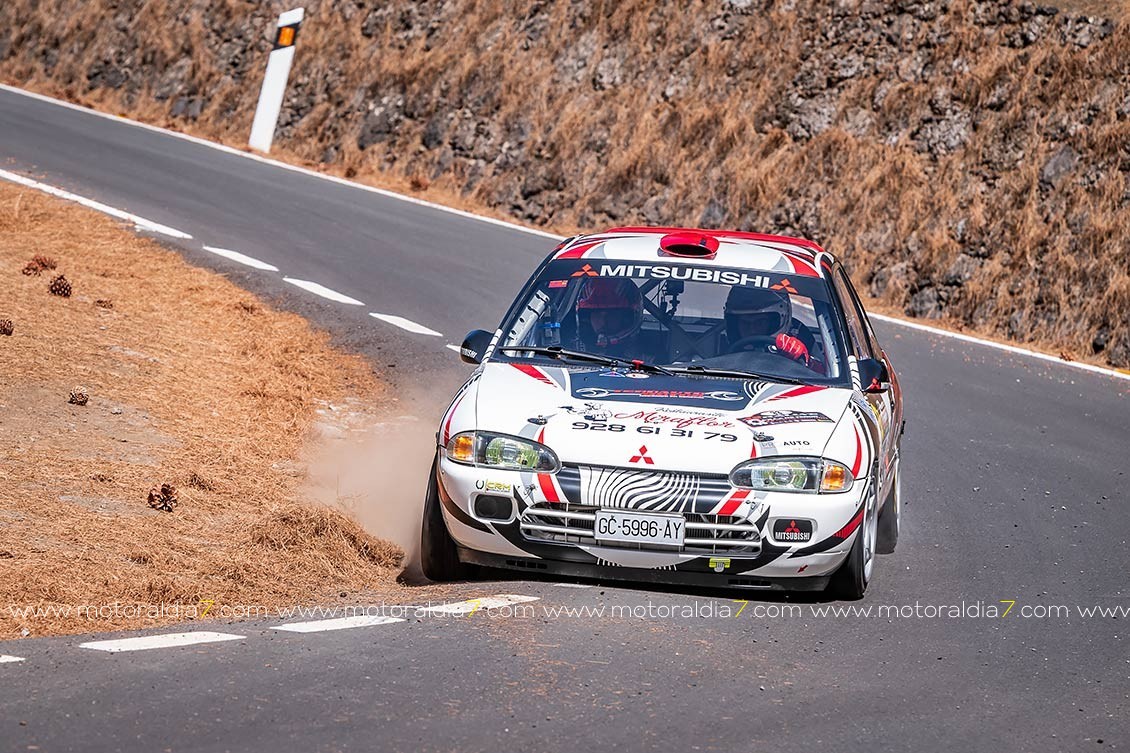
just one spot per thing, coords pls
(706, 534)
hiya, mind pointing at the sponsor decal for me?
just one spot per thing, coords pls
(784, 285)
(558, 283)
(776, 417)
(623, 374)
(787, 529)
(694, 274)
(585, 271)
(642, 457)
(600, 393)
(591, 412)
(680, 419)
(795, 443)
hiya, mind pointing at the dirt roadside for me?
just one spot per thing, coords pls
(191, 381)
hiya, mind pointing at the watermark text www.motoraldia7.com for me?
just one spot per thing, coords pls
(694, 609)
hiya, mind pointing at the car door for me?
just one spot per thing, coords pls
(887, 405)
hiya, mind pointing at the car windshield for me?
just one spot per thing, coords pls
(681, 316)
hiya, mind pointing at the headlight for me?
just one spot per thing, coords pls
(779, 474)
(501, 451)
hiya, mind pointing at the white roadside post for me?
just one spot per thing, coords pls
(274, 82)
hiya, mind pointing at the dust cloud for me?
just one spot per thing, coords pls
(376, 471)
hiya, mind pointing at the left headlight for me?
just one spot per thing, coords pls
(798, 474)
(501, 451)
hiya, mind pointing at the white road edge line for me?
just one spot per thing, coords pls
(501, 223)
(276, 163)
(239, 258)
(140, 222)
(8, 658)
(169, 640)
(572, 585)
(406, 324)
(338, 623)
(322, 290)
(473, 605)
(1001, 346)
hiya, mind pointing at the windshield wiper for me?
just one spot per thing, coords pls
(736, 373)
(580, 355)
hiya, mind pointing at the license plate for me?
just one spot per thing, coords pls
(633, 527)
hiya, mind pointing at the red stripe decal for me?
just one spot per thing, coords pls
(533, 371)
(576, 252)
(546, 484)
(753, 450)
(858, 455)
(734, 502)
(451, 415)
(797, 392)
(852, 524)
(800, 265)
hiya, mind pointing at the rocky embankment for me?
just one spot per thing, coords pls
(970, 161)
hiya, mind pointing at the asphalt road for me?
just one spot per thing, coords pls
(1015, 477)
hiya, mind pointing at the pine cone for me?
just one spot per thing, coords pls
(104, 303)
(78, 396)
(164, 499)
(32, 269)
(43, 262)
(5, 326)
(60, 286)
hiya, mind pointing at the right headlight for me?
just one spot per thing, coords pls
(501, 451)
(792, 474)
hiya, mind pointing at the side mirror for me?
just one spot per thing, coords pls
(474, 345)
(873, 376)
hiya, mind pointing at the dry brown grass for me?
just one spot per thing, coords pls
(193, 382)
(687, 114)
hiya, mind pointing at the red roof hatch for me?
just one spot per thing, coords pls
(689, 244)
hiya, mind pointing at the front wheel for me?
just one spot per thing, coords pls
(890, 517)
(438, 557)
(850, 581)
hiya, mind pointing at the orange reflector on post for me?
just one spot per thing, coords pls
(286, 36)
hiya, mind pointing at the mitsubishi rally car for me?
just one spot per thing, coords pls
(674, 406)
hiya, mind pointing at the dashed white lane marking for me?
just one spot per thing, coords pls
(406, 324)
(235, 256)
(8, 659)
(473, 605)
(339, 623)
(322, 290)
(169, 640)
(482, 218)
(456, 348)
(572, 585)
(140, 222)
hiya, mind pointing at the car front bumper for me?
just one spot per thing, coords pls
(761, 562)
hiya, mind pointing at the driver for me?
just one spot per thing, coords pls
(766, 315)
(609, 315)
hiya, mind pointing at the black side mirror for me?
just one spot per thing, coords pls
(474, 345)
(873, 376)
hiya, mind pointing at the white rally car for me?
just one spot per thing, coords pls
(674, 406)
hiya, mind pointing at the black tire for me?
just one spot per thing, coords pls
(850, 581)
(439, 559)
(890, 517)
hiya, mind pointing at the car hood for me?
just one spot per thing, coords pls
(606, 417)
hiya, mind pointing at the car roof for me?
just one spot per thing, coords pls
(721, 248)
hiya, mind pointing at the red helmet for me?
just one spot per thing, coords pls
(606, 294)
